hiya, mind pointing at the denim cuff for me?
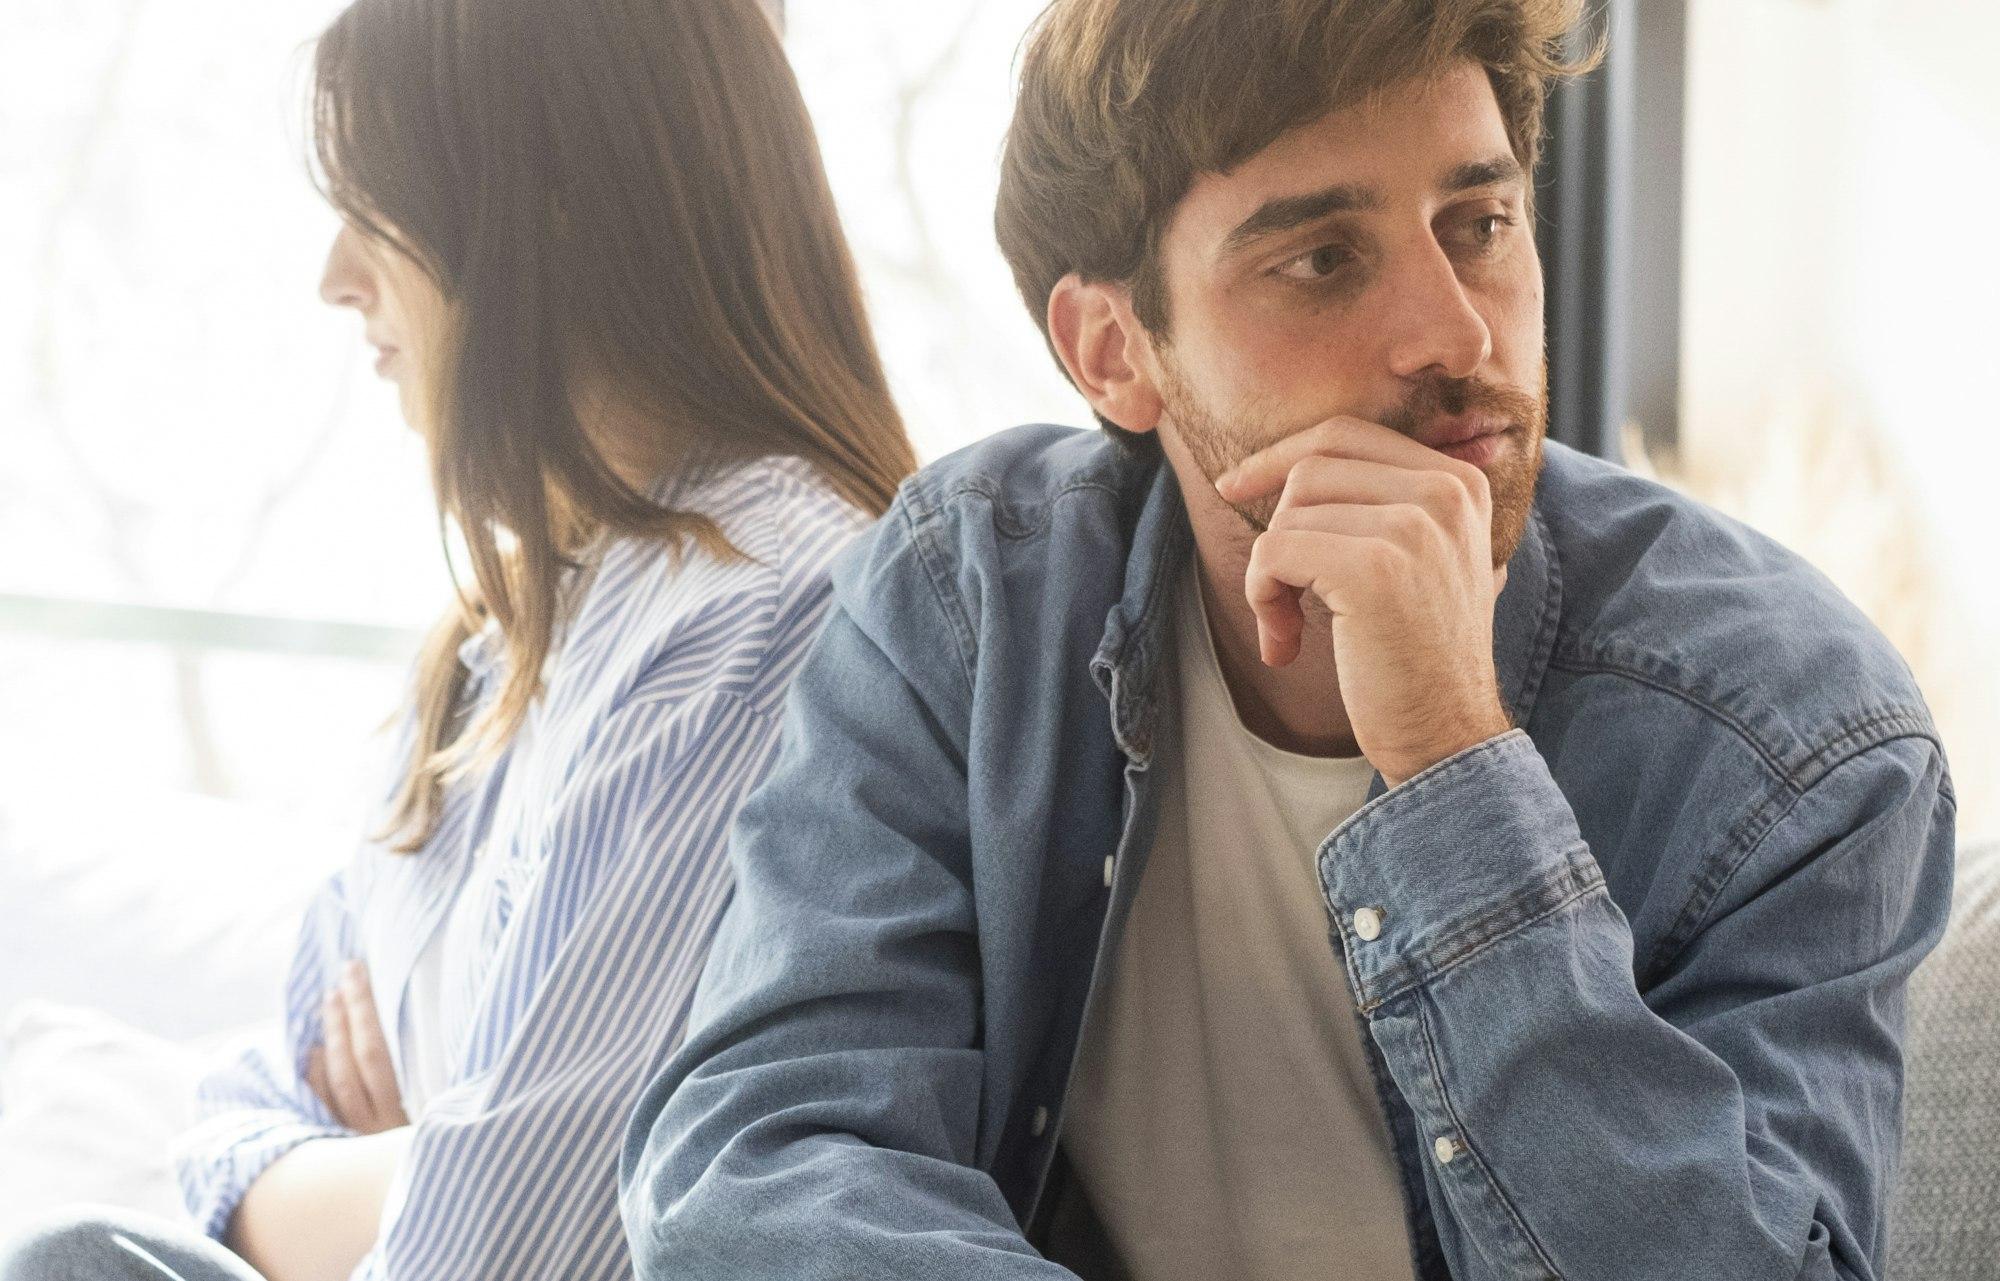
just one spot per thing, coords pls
(1431, 872)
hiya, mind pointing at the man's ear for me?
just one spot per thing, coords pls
(1106, 351)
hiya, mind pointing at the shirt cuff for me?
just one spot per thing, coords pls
(214, 1183)
(1430, 872)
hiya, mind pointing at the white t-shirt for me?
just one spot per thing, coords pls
(442, 997)
(443, 992)
(434, 1029)
(1223, 1117)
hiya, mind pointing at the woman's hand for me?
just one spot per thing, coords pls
(351, 1071)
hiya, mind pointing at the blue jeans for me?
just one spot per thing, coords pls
(96, 1244)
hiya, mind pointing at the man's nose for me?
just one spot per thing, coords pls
(1433, 326)
(348, 280)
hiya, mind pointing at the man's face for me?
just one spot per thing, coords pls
(1379, 264)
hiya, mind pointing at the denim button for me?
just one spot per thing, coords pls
(1040, 1125)
(1368, 924)
(1446, 1148)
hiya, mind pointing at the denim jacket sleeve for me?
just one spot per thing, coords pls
(1738, 1119)
(819, 1121)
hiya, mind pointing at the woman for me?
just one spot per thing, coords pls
(594, 246)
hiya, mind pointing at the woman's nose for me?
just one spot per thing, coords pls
(348, 280)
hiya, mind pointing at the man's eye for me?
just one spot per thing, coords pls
(1482, 232)
(1316, 265)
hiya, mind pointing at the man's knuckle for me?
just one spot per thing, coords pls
(1382, 562)
(1304, 475)
(1474, 481)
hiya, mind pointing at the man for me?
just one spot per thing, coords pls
(1314, 828)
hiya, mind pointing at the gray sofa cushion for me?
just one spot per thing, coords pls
(1945, 1225)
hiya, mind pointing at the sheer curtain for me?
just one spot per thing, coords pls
(1837, 358)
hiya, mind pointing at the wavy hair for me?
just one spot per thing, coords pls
(1124, 103)
(622, 203)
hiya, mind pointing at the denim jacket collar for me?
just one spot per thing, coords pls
(1126, 664)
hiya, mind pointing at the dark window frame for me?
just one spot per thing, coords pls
(1610, 198)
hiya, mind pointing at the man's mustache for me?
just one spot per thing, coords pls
(1441, 397)
(1435, 398)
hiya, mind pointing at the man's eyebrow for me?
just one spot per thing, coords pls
(1483, 173)
(1287, 212)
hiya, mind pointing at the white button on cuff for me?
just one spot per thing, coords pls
(1368, 924)
(1040, 1125)
(1446, 1148)
(1110, 865)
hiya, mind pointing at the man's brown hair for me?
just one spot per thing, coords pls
(1123, 103)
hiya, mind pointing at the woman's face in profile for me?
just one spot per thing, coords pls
(400, 306)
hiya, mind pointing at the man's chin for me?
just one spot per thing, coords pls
(1513, 483)
(1257, 515)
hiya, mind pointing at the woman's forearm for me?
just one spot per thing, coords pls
(314, 1213)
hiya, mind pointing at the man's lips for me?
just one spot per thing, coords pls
(1460, 430)
(1480, 450)
(1475, 439)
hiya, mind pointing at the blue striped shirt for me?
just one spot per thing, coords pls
(597, 844)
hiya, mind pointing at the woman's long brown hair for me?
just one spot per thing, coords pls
(619, 199)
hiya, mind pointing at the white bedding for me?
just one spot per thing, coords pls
(89, 1109)
(135, 938)
(174, 913)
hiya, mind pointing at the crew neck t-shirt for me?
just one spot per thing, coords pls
(1223, 1117)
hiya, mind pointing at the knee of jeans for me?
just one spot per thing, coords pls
(73, 1244)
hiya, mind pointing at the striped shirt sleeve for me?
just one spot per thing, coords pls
(663, 714)
(513, 1171)
(255, 1106)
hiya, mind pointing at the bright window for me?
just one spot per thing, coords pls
(216, 536)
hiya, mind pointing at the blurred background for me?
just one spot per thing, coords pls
(1766, 228)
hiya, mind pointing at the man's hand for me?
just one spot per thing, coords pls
(1396, 539)
(351, 1071)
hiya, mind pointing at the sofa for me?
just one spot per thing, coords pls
(1945, 1223)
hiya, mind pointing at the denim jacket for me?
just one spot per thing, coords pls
(1636, 999)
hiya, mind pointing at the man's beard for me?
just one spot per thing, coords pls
(1218, 444)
